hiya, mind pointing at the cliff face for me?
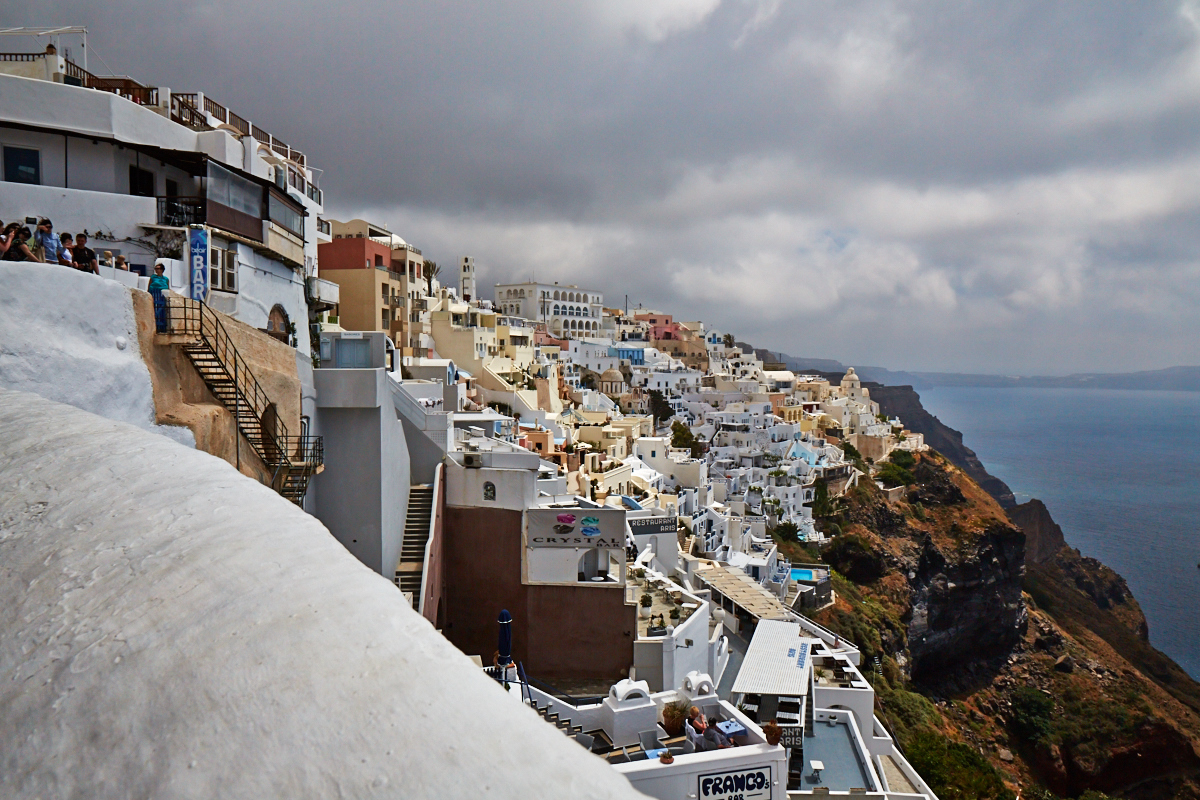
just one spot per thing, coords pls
(905, 403)
(1051, 693)
(950, 567)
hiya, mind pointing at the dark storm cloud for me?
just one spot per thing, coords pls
(995, 187)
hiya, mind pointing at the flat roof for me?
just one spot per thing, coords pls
(835, 747)
(744, 591)
(777, 662)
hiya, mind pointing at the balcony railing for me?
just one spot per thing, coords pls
(121, 86)
(184, 111)
(323, 225)
(181, 211)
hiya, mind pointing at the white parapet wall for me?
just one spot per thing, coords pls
(71, 336)
(170, 628)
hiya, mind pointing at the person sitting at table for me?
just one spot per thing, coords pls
(714, 738)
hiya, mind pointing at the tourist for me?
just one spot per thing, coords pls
(121, 263)
(8, 237)
(46, 245)
(66, 257)
(85, 257)
(19, 249)
(158, 288)
(714, 738)
(108, 258)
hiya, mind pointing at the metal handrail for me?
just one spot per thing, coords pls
(191, 317)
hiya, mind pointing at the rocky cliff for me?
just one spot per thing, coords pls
(905, 403)
(996, 692)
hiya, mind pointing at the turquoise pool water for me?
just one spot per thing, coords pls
(802, 575)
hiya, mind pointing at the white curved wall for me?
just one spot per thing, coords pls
(71, 336)
(170, 628)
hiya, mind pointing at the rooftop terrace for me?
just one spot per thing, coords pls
(832, 743)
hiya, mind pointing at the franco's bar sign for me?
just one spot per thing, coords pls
(576, 527)
(745, 784)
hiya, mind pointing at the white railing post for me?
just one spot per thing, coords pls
(433, 509)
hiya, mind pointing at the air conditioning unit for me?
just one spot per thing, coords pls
(472, 460)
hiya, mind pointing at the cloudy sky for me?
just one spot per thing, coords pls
(987, 187)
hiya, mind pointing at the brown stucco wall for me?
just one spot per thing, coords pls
(583, 631)
(182, 398)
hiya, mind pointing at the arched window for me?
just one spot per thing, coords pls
(277, 323)
(556, 311)
(556, 297)
(489, 490)
(522, 295)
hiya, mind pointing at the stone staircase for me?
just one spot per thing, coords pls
(409, 571)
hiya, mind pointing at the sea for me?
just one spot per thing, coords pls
(1119, 471)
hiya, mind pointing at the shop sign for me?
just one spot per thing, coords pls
(642, 526)
(575, 527)
(198, 254)
(743, 784)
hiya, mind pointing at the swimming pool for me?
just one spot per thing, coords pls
(802, 575)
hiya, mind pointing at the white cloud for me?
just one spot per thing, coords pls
(655, 20)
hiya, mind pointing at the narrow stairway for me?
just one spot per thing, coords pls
(291, 460)
(416, 534)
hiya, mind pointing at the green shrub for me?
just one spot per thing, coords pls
(892, 474)
(954, 771)
(902, 458)
(786, 532)
(1033, 714)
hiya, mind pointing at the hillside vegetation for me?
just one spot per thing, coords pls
(999, 677)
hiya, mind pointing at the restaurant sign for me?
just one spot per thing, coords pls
(575, 527)
(753, 783)
(642, 526)
(793, 736)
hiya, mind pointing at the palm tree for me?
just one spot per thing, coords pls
(432, 270)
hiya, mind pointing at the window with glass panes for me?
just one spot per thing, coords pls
(223, 268)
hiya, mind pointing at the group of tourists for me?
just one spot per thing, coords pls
(18, 243)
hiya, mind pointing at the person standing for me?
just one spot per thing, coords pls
(8, 237)
(85, 257)
(66, 257)
(158, 288)
(18, 249)
(46, 243)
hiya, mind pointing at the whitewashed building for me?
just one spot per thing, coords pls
(566, 310)
(159, 175)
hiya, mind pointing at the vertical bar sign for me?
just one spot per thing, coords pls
(198, 254)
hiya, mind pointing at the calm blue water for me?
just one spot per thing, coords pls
(802, 575)
(1120, 473)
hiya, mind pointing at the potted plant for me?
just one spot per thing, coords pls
(645, 603)
(773, 732)
(675, 615)
(673, 715)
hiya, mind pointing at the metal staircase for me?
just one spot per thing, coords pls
(410, 570)
(292, 460)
